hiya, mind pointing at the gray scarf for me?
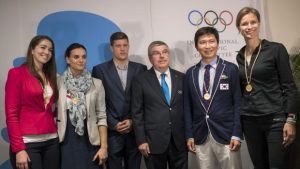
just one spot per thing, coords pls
(77, 87)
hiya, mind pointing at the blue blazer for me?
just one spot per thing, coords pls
(117, 99)
(222, 117)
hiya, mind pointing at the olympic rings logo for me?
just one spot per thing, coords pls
(211, 18)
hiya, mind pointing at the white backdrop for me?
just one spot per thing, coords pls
(173, 21)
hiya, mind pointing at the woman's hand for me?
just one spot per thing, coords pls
(289, 134)
(101, 155)
(22, 160)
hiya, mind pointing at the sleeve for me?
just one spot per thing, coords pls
(286, 80)
(137, 112)
(141, 69)
(100, 105)
(111, 121)
(187, 107)
(237, 97)
(13, 92)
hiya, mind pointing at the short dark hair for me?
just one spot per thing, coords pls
(117, 36)
(244, 11)
(72, 47)
(205, 31)
(155, 43)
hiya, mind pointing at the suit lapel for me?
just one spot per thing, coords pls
(174, 81)
(115, 76)
(219, 72)
(155, 84)
(195, 76)
(62, 99)
(88, 98)
(130, 74)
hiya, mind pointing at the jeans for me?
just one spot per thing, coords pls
(264, 137)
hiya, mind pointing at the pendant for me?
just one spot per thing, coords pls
(206, 96)
(248, 87)
(74, 100)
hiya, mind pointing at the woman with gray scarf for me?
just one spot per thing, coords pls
(81, 118)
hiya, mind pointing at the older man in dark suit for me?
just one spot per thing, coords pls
(116, 76)
(157, 107)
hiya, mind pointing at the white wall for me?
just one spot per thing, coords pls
(281, 20)
(284, 23)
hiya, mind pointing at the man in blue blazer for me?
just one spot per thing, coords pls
(116, 76)
(157, 112)
(212, 105)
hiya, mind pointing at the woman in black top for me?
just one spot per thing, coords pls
(269, 94)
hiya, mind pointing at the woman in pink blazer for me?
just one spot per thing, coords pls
(30, 97)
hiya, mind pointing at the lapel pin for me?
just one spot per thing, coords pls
(224, 76)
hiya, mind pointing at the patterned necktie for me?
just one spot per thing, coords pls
(206, 85)
(165, 87)
(206, 79)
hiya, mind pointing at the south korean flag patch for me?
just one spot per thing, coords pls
(224, 86)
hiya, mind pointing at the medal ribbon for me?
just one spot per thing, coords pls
(249, 78)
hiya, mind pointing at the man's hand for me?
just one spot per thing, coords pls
(124, 126)
(191, 145)
(144, 149)
(234, 145)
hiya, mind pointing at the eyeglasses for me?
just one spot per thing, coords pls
(163, 53)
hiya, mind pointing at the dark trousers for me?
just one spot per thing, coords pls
(43, 155)
(122, 151)
(172, 157)
(264, 137)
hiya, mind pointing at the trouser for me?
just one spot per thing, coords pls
(172, 157)
(264, 137)
(43, 155)
(212, 154)
(122, 151)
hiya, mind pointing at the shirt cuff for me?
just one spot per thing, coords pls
(236, 138)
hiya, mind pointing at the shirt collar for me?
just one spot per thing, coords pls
(158, 74)
(125, 67)
(213, 64)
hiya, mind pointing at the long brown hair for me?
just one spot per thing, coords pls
(49, 68)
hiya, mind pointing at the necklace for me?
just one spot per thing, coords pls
(248, 86)
(206, 95)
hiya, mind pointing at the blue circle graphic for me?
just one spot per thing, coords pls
(93, 31)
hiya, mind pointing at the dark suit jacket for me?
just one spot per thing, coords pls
(154, 121)
(222, 118)
(117, 100)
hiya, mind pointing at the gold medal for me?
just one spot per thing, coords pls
(206, 96)
(74, 100)
(248, 87)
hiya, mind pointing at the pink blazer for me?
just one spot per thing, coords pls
(25, 109)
